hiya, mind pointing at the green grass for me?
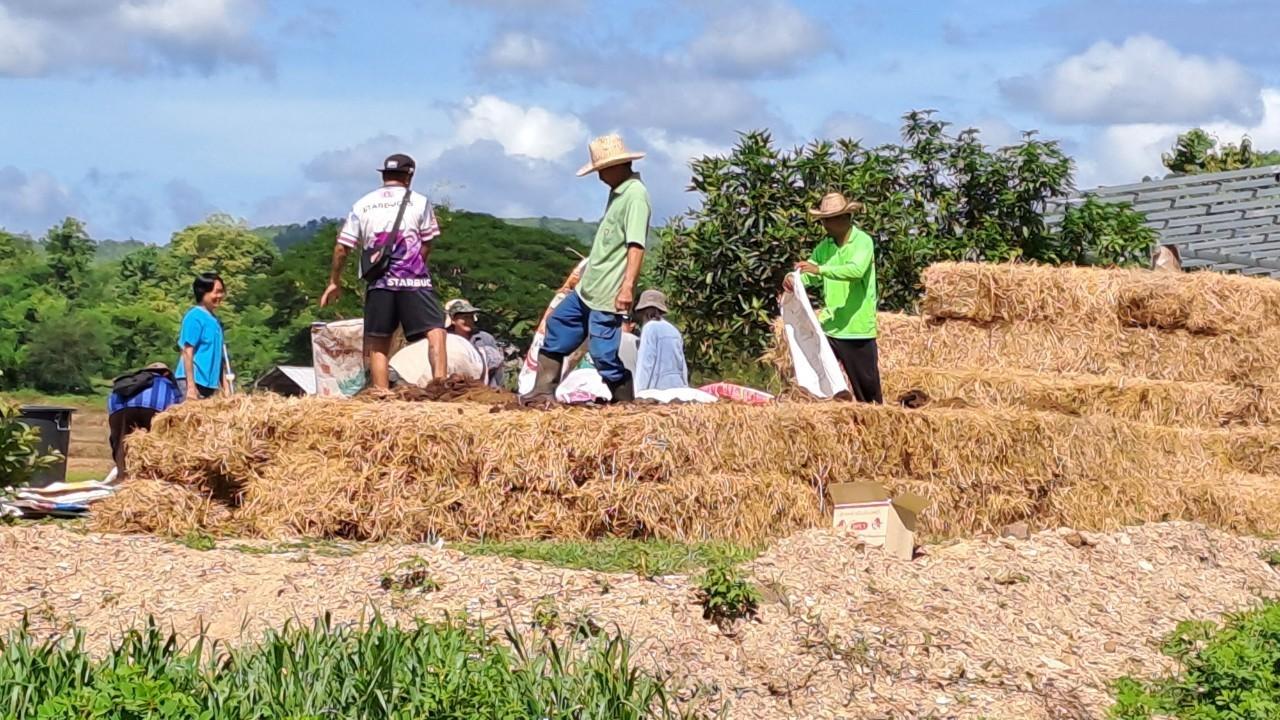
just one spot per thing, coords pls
(84, 475)
(197, 540)
(1227, 671)
(644, 557)
(319, 548)
(375, 670)
(95, 401)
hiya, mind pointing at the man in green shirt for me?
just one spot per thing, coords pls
(596, 309)
(844, 266)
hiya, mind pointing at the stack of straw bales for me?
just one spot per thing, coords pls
(413, 471)
(1202, 303)
(1082, 397)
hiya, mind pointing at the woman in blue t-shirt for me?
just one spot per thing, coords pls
(202, 365)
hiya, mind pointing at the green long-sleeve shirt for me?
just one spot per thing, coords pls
(847, 274)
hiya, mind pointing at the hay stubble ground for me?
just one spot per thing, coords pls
(994, 628)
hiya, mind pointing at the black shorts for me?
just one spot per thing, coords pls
(417, 311)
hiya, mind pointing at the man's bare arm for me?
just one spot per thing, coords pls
(332, 292)
(626, 294)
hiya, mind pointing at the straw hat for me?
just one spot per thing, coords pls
(834, 204)
(608, 151)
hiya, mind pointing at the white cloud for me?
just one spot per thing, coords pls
(864, 128)
(533, 131)
(1265, 133)
(187, 203)
(519, 51)
(181, 18)
(32, 201)
(758, 38)
(1123, 154)
(1143, 80)
(539, 6)
(357, 163)
(22, 46)
(680, 150)
(699, 108)
(42, 37)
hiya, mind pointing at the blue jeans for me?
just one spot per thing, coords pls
(572, 322)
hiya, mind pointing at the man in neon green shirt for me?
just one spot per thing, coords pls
(595, 311)
(844, 266)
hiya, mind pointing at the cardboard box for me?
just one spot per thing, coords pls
(866, 510)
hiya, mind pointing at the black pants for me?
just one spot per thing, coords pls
(415, 311)
(122, 422)
(861, 362)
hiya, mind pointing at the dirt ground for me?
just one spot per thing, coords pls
(90, 451)
(991, 628)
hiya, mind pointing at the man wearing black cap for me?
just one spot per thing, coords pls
(400, 292)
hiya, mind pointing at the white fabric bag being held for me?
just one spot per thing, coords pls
(816, 367)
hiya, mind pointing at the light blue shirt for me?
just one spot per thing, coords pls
(202, 331)
(660, 362)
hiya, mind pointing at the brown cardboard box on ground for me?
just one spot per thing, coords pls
(866, 510)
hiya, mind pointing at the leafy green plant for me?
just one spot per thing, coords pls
(1104, 233)
(409, 575)
(198, 540)
(727, 595)
(1271, 557)
(1229, 671)
(546, 613)
(1196, 151)
(19, 454)
(372, 670)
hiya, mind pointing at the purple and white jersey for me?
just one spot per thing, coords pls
(370, 222)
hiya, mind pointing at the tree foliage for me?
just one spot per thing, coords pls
(936, 196)
(1196, 151)
(70, 252)
(124, 313)
(1113, 231)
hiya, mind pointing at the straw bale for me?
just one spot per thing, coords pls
(413, 471)
(1200, 302)
(159, 507)
(1096, 349)
(1157, 402)
(989, 292)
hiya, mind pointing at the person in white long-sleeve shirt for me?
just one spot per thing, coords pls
(660, 362)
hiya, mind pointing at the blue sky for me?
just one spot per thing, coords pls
(142, 116)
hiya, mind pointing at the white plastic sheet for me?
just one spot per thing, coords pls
(677, 394)
(816, 368)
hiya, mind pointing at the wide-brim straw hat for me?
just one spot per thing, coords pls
(608, 151)
(833, 205)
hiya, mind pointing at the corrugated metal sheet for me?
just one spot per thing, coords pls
(1228, 221)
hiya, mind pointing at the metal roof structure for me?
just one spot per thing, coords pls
(1227, 221)
(288, 380)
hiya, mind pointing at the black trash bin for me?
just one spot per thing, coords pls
(54, 425)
